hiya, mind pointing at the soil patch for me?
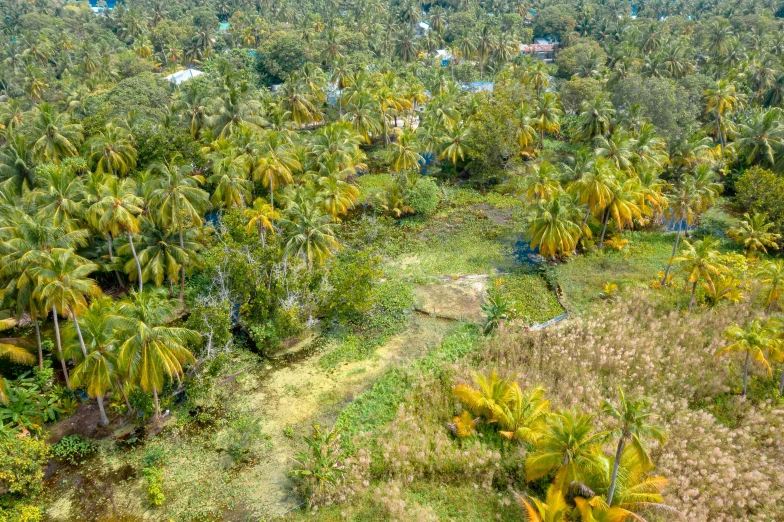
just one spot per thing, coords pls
(457, 298)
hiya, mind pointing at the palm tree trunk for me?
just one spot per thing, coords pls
(693, 295)
(746, 371)
(60, 347)
(781, 383)
(124, 396)
(272, 196)
(604, 228)
(109, 242)
(79, 333)
(136, 259)
(40, 346)
(102, 411)
(157, 417)
(674, 251)
(617, 463)
(182, 271)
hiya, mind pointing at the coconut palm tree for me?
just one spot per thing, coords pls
(754, 341)
(761, 137)
(191, 103)
(570, 447)
(552, 509)
(150, 350)
(554, 228)
(541, 182)
(623, 208)
(308, 233)
(490, 392)
(179, 203)
(523, 415)
(63, 286)
(55, 137)
(547, 115)
(405, 155)
(595, 188)
(232, 109)
(60, 196)
(112, 150)
(300, 105)
(362, 112)
(336, 196)
(10, 349)
(261, 217)
(276, 163)
(17, 167)
(454, 143)
(771, 275)
(700, 260)
(754, 234)
(526, 133)
(596, 117)
(722, 100)
(117, 213)
(633, 428)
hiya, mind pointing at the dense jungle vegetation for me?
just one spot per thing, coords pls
(364, 260)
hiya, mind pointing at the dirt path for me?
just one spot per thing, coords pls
(304, 393)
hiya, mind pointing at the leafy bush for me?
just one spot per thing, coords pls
(153, 480)
(21, 463)
(73, 448)
(242, 437)
(761, 191)
(29, 404)
(424, 196)
(319, 468)
(350, 283)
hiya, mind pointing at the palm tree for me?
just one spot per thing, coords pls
(179, 201)
(761, 138)
(699, 261)
(298, 104)
(454, 143)
(596, 188)
(191, 103)
(406, 154)
(632, 417)
(553, 229)
(754, 234)
(771, 275)
(336, 196)
(17, 167)
(308, 233)
(596, 117)
(547, 114)
(623, 208)
(57, 138)
(276, 163)
(541, 182)
(568, 445)
(60, 196)
(362, 112)
(537, 76)
(117, 213)
(16, 354)
(63, 286)
(233, 109)
(112, 150)
(523, 415)
(161, 255)
(526, 133)
(261, 217)
(552, 509)
(491, 391)
(151, 350)
(753, 341)
(721, 100)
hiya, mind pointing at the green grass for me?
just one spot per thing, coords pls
(528, 294)
(447, 502)
(378, 406)
(581, 278)
(372, 184)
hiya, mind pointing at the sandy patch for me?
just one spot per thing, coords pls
(457, 298)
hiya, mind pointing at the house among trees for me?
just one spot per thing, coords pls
(183, 76)
(542, 48)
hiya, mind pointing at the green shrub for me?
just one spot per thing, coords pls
(153, 480)
(318, 468)
(74, 449)
(760, 190)
(424, 196)
(21, 464)
(242, 437)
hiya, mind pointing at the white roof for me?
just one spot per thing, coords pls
(183, 76)
(443, 54)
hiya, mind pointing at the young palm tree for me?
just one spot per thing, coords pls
(180, 202)
(63, 286)
(523, 416)
(699, 261)
(261, 217)
(634, 427)
(553, 228)
(568, 445)
(112, 150)
(753, 341)
(118, 211)
(754, 234)
(492, 392)
(308, 233)
(552, 509)
(454, 143)
(596, 188)
(771, 275)
(335, 196)
(150, 350)
(623, 208)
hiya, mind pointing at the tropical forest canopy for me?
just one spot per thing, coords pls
(190, 190)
